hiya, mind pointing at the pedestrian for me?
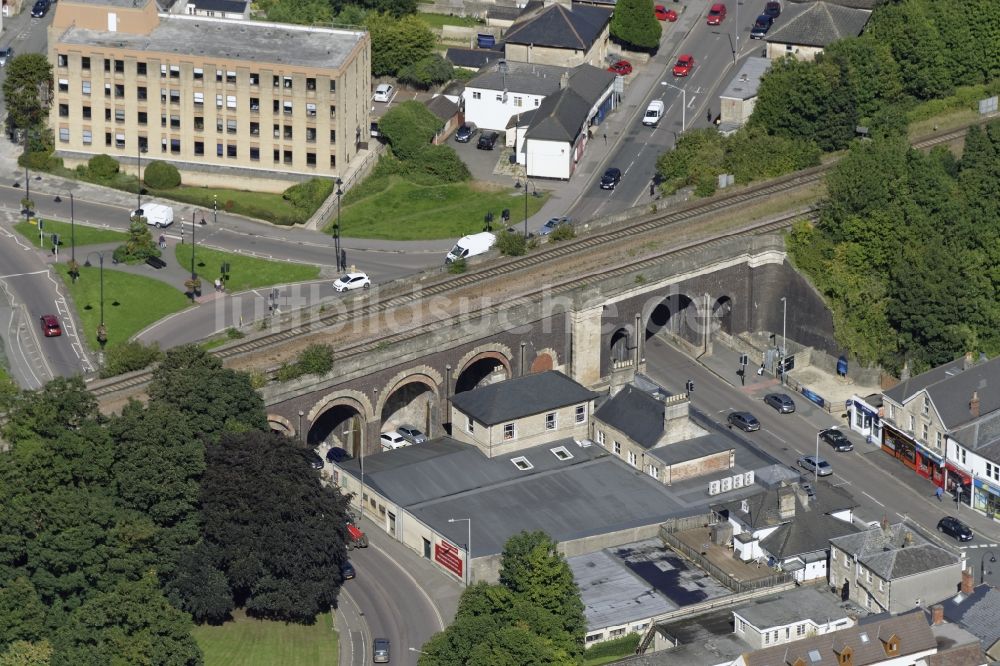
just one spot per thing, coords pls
(343, 258)
(652, 189)
(939, 492)
(605, 138)
(708, 115)
(163, 242)
(760, 370)
(218, 284)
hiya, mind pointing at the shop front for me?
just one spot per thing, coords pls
(864, 419)
(986, 498)
(924, 462)
(958, 481)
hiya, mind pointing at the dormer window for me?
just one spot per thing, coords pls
(891, 645)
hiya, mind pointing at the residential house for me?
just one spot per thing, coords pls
(561, 33)
(446, 109)
(892, 568)
(805, 29)
(880, 641)
(472, 59)
(507, 416)
(228, 9)
(977, 610)
(738, 99)
(957, 646)
(793, 616)
(506, 89)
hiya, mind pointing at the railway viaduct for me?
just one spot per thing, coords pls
(725, 287)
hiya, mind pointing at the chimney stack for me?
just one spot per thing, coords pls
(937, 614)
(564, 81)
(786, 503)
(974, 405)
(968, 581)
(967, 362)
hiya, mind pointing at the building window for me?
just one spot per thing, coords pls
(581, 414)
(254, 79)
(119, 90)
(500, 98)
(218, 101)
(254, 129)
(63, 85)
(142, 117)
(254, 154)
(522, 463)
(230, 101)
(927, 405)
(937, 440)
(140, 68)
(62, 60)
(175, 146)
(653, 471)
(107, 114)
(800, 630)
(913, 423)
(881, 585)
(64, 110)
(199, 148)
(767, 638)
(254, 104)
(470, 425)
(509, 431)
(120, 140)
(333, 136)
(218, 149)
(595, 637)
(119, 66)
(310, 83)
(961, 454)
(288, 132)
(276, 105)
(163, 69)
(333, 161)
(288, 108)
(550, 421)
(311, 134)
(85, 63)
(926, 432)
(140, 93)
(310, 109)
(617, 448)
(230, 150)
(562, 453)
(175, 96)
(288, 83)
(537, 101)
(175, 72)
(86, 113)
(107, 90)
(276, 81)
(518, 101)
(600, 438)
(231, 126)
(333, 110)
(230, 77)
(218, 124)
(64, 134)
(218, 76)
(107, 138)
(333, 85)
(119, 115)
(88, 137)
(631, 458)
(199, 74)
(477, 95)
(277, 131)
(199, 98)
(288, 157)
(892, 411)
(86, 87)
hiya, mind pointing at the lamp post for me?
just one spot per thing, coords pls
(982, 565)
(139, 150)
(302, 439)
(73, 268)
(102, 331)
(684, 104)
(336, 227)
(215, 213)
(784, 320)
(816, 470)
(468, 549)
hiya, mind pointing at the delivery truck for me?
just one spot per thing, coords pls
(157, 215)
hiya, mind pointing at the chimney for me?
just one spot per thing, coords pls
(564, 81)
(974, 405)
(937, 614)
(885, 524)
(786, 503)
(967, 361)
(968, 581)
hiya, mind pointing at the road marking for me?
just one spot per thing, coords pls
(873, 499)
(437, 613)
(772, 434)
(14, 275)
(983, 545)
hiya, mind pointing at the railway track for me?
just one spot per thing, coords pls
(662, 221)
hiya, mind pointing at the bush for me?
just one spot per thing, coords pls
(511, 244)
(443, 164)
(129, 357)
(458, 267)
(617, 647)
(316, 359)
(161, 176)
(102, 167)
(310, 195)
(563, 232)
(38, 161)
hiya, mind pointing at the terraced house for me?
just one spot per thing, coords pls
(224, 99)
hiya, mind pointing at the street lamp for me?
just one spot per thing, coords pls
(684, 104)
(468, 549)
(816, 470)
(102, 331)
(215, 212)
(301, 438)
(336, 227)
(73, 268)
(139, 150)
(784, 320)
(982, 565)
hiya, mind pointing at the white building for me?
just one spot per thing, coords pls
(507, 89)
(795, 615)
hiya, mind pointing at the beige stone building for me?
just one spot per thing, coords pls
(560, 33)
(220, 99)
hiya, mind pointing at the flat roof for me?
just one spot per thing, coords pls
(522, 396)
(793, 606)
(611, 594)
(236, 39)
(746, 82)
(691, 449)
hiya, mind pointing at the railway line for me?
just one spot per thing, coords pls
(670, 220)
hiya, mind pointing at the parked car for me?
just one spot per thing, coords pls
(156, 262)
(40, 9)
(487, 140)
(374, 131)
(717, 14)
(773, 9)
(781, 402)
(955, 528)
(411, 434)
(380, 651)
(50, 326)
(817, 465)
(392, 440)
(464, 133)
(621, 68)
(314, 460)
(383, 92)
(552, 223)
(337, 454)
(837, 440)
(349, 281)
(6, 54)
(664, 14)
(347, 570)
(745, 421)
(611, 178)
(761, 26)
(684, 65)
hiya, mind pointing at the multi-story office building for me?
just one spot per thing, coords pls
(225, 99)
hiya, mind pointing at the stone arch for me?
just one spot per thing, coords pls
(621, 343)
(281, 425)
(545, 360)
(722, 314)
(480, 363)
(413, 397)
(339, 420)
(676, 313)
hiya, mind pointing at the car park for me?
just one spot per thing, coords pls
(761, 26)
(411, 434)
(773, 9)
(50, 326)
(684, 65)
(717, 14)
(6, 54)
(383, 92)
(337, 454)
(955, 528)
(40, 9)
(781, 402)
(552, 224)
(745, 421)
(487, 140)
(380, 651)
(349, 281)
(621, 68)
(465, 133)
(611, 178)
(347, 570)
(664, 14)
(837, 440)
(817, 465)
(392, 440)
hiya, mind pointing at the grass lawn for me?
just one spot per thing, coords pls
(84, 235)
(244, 272)
(260, 205)
(440, 20)
(401, 210)
(248, 642)
(131, 302)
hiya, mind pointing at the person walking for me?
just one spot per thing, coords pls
(605, 138)
(218, 284)
(939, 493)
(708, 115)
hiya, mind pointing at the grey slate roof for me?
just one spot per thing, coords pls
(895, 553)
(691, 449)
(557, 26)
(520, 78)
(524, 396)
(442, 107)
(228, 6)
(979, 613)
(562, 115)
(611, 594)
(745, 84)
(178, 36)
(763, 505)
(803, 603)
(951, 386)
(635, 413)
(818, 23)
(502, 13)
(803, 536)
(472, 58)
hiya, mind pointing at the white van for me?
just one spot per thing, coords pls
(470, 246)
(157, 215)
(653, 113)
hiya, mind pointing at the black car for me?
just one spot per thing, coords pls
(347, 570)
(337, 454)
(761, 26)
(487, 140)
(314, 460)
(156, 262)
(836, 439)
(40, 9)
(773, 9)
(745, 421)
(955, 528)
(611, 178)
(465, 132)
(781, 402)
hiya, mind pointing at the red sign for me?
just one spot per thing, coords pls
(446, 555)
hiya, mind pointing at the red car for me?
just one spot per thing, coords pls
(50, 326)
(684, 65)
(716, 14)
(621, 68)
(664, 14)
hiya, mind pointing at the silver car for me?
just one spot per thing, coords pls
(817, 465)
(411, 434)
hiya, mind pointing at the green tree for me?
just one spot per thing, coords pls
(22, 614)
(139, 246)
(409, 128)
(875, 82)
(441, 163)
(511, 244)
(751, 154)
(130, 356)
(161, 175)
(397, 42)
(23, 653)
(427, 71)
(201, 588)
(698, 157)
(47, 413)
(27, 91)
(634, 24)
(213, 399)
(916, 46)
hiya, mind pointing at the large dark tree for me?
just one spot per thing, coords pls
(634, 24)
(397, 42)
(916, 46)
(27, 91)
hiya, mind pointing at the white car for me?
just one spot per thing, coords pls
(349, 281)
(384, 92)
(392, 440)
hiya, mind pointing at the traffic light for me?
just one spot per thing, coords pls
(689, 385)
(55, 240)
(744, 359)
